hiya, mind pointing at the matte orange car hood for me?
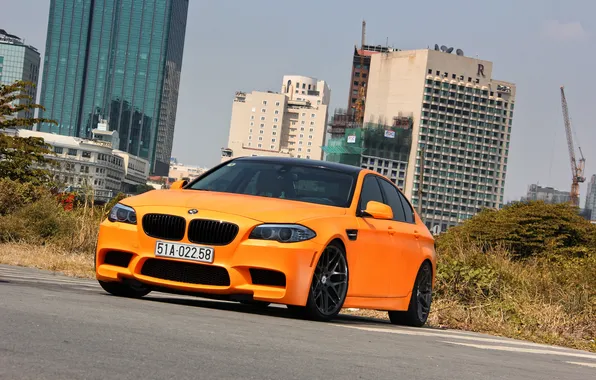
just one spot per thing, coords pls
(262, 209)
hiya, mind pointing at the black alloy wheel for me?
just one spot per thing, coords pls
(420, 302)
(329, 285)
(130, 289)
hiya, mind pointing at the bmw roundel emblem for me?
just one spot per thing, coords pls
(193, 211)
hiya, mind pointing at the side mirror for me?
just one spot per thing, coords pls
(378, 210)
(178, 184)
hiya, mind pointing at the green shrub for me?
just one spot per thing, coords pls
(15, 195)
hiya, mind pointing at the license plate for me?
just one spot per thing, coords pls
(184, 251)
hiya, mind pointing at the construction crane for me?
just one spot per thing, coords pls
(361, 93)
(577, 170)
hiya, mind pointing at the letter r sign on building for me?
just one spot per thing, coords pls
(480, 69)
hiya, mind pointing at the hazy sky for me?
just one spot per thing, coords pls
(236, 45)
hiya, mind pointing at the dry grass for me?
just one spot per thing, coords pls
(48, 258)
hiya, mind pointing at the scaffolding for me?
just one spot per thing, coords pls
(391, 142)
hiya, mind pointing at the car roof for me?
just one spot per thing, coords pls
(348, 169)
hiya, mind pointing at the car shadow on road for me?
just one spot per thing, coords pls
(277, 311)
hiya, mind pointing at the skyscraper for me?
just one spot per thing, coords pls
(591, 197)
(18, 62)
(118, 60)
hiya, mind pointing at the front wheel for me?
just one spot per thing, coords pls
(121, 289)
(329, 285)
(420, 301)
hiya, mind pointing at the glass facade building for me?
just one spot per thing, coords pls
(18, 62)
(120, 61)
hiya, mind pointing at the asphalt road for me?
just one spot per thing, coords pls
(54, 327)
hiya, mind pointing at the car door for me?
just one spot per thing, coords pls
(369, 274)
(405, 244)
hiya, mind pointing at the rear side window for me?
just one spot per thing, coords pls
(409, 212)
(393, 200)
(370, 192)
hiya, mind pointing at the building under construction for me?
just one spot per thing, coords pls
(382, 147)
(360, 73)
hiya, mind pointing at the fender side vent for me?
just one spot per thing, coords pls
(352, 234)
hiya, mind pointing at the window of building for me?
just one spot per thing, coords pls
(276, 112)
(264, 102)
(262, 125)
(275, 120)
(259, 146)
(274, 126)
(273, 140)
(254, 109)
(261, 131)
(72, 152)
(262, 118)
(277, 104)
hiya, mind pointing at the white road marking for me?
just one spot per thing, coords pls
(526, 350)
(593, 365)
(452, 335)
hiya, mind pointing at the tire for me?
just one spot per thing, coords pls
(326, 297)
(420, 301)
(121, 289)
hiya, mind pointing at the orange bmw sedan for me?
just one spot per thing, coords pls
(313, 235)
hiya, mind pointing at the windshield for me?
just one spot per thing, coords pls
(293, 182)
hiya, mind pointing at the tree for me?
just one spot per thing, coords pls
(22, 159)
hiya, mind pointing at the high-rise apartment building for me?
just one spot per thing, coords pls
(119, 61)
(591, 197)
(18, 62)
(289, 123)
(461, 121)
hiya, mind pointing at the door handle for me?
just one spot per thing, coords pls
(391, 230)
(416, 234)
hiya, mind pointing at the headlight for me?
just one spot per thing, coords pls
(283, 233)
(123, 214)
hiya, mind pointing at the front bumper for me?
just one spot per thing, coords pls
(262, 270)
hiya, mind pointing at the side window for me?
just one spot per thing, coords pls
(370, 191)
(407, 208)
(393, 201)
